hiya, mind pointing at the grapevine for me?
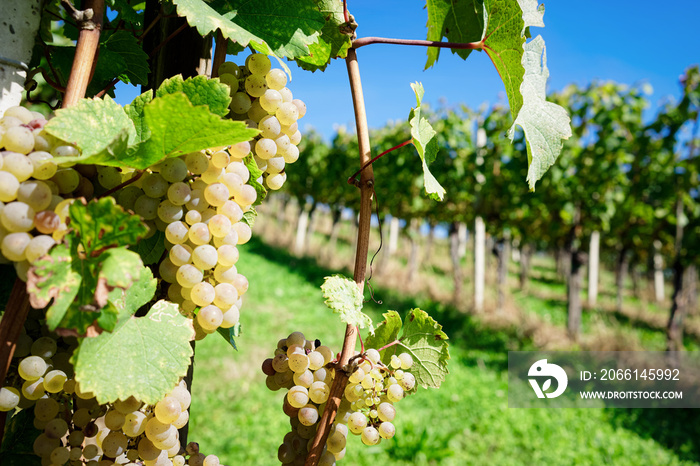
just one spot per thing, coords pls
(124, 222)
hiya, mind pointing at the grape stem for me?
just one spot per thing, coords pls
(352, 180)
(389, 345)
(366, 186)
(362, 41)
(133, 179)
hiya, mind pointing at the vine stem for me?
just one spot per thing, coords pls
(220, 45)
(85, 54)
(366, 192)
(352, 180)
(362, 41)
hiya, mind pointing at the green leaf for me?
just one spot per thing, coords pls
(249, 216)
(177, 127)
(228, 334)
(386, 332)
(53, 277)
(80, 275)
(255, 174)
(124, 303)
(461, 22)
(424, 340)
(151, 249)
(332, 43)
(127, 47)
(344, 297)
(201, 91)
(545, 124)
(129, 13)
(144, 357)
(269, 26)
(103, 224)
(134, 111)
(17, 443)
(424, 138)
(98, 127)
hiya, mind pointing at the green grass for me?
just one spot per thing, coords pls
(465, 422)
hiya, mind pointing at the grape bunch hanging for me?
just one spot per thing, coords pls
(199, 203)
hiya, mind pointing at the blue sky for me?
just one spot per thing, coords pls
(621, 40)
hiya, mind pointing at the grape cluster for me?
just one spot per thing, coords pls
(34, 191)
(259, 96)
(199, 201)
(75, 427)
(307, 370)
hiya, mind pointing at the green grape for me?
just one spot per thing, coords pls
(44, 347)
(32, 368)
(219, 225)
(17, 217)
(357, 422)
(240, 103)
(127, 196)
(109, 177)
(276, 79)
(336, 441)
(319, 392)
(18, 139)
(179, 193)
(43, 165)
(114, 420)
(230, 80)
(9, 398)
(370, 436)
(196, 162)
(213, 174)
(36, 194)
(169, 212)
(202, 294)
(168, 271)
(188, 275)
(220, 159)
(216, 194)
(66, 179)
(301, 107)
(197, 201)
(60, 455)
(134, 424)
(230, 317)
(46, 409)
(210, 317)
(154, 185)
(14, 246)
(168, 410)
(276, 181)
(173, 170)
(308, 415)
(258, 64)
(9, 185)
(56, 428)
(177, 232)
(54, 381)
(146, 207)
(65, 151)
(229, 68)
(256, 112)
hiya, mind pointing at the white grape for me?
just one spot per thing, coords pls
(287, 113)
(226, 295)
(239, 150)
(210, 317)
(38, 247)
(276, 181)
(197, 201)
(243, 230)
(227, 254)
(270, 101)
(301, 107)
(216, 194)
(246, 196)
(258, 64)
(179, 193)
(14, 245)
(9, 185)
(36, 194)
(276, 79)
(18, 139)
(220, 159)
(177, 232)
(17, 217)
(188, 275)
(230, 317)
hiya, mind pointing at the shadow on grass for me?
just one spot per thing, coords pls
(675, 429)
(481, 345)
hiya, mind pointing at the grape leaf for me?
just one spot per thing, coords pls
(134, 111)
(255, 174)
(150, 249)
(460, 22)
(284, 29)
(545, 124)
(98, 127)
(79, 274)
(102, 224)
(201, 91)
(344, 297)
(249, 216)
(386, 332)
(17, 443)
(129, 13)
(424, 139)
(135, 60)
(177, 127)
(331, 43)
(122, 303)
(228, 334)
(422, 338)
(143, 357)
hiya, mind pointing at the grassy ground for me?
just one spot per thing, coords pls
(465, 422)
